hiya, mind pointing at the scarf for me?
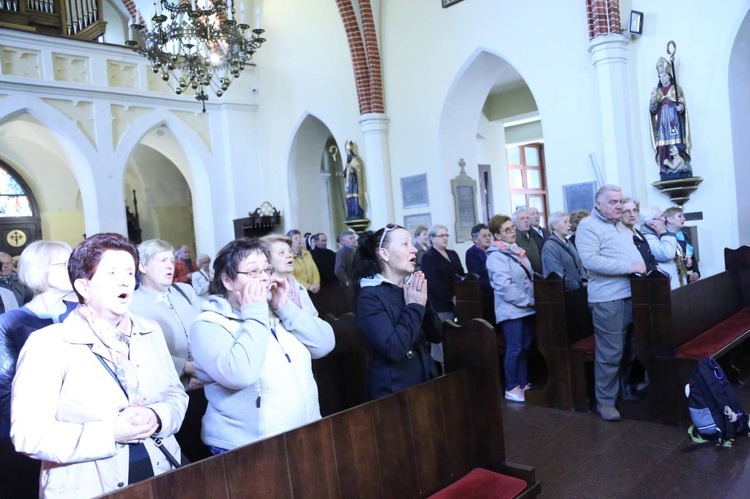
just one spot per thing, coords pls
(117, 341)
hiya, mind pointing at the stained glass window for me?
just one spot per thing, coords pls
(13, 199)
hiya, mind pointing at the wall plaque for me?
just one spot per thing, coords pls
(464, 196)
(414, 191)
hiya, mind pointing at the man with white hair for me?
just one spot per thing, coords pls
(538, 233)
(523, 238)
(607, 251)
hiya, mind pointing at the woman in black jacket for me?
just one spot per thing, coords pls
(392, 312)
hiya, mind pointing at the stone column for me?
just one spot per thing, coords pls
(377, 159)
(609, 54)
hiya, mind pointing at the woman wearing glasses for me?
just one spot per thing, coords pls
(392, 312)
(440, 266)
(255, 362)
(511, 277)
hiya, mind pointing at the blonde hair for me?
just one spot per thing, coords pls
(35, 262)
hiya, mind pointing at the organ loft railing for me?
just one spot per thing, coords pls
(81, 19)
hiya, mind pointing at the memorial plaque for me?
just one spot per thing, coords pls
(464, 197)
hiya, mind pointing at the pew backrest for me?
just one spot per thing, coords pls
(342, 374)
(409, 444)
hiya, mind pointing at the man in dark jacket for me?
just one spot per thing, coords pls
(9, 280)
(524, 240)
(324, 259)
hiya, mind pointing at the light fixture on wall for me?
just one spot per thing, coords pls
(636, 23)
(197, 46)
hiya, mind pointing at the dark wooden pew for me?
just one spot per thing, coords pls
(334, 300)
(675, 329)
(472, 302)
(410, 444)
(342, 374)
(565, 338)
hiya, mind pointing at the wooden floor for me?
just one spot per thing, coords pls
(580, 455)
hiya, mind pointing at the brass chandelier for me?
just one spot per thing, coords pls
(197, 47)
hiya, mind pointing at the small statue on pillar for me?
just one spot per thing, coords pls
(354, 184)
(670, 126)
(670, 133)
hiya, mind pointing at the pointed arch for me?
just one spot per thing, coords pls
(309, 207)
(738, 75)
(191, 158)
(78, 150)
(460, 116)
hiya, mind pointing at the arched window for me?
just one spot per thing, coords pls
(14, 202)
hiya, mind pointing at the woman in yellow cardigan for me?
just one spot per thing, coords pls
(305, 270)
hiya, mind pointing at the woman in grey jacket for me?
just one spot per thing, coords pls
(252, 348)
(559, 255)
(511, 278)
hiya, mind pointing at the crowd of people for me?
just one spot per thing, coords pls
(103, 346)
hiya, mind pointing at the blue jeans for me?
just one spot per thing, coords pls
(517, 341)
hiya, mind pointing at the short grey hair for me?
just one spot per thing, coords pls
(606, 188)
(35, 262)
(555, 217)
(517, 213)
(650, 212)
(147, 250)
(203, 258)
(435, 228)
(345, 233)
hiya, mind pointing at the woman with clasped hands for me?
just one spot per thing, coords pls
(256, 363)
(393, 313)
(89, 392)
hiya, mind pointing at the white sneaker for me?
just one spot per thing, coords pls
(514, 398)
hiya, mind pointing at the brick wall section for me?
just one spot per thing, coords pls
(373, 57)
(358, 53)
(603, 17)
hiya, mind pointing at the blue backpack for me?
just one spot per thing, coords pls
(714, 408)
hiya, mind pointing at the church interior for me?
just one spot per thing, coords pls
(457, 111)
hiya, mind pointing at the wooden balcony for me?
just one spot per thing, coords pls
(80, 19)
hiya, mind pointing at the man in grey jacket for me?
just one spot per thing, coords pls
(609, 255)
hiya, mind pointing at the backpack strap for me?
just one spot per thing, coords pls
(184, 295)
(519, 262)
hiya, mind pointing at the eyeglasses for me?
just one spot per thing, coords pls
(510, 230)
(442, 235)
(386, 229)
(631, 212)
(255, 273)
(59, 264)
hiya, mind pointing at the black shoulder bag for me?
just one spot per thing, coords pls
(157, 440)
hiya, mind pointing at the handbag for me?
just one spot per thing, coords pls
(157, 440)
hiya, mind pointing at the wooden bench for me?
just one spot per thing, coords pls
(342, 374)
(472, 302)
(565, 338)
(675, 329)
(334, 300)
(410, 444)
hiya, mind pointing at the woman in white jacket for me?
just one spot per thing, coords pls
(92, 393)
(256, 362)
(511, 278)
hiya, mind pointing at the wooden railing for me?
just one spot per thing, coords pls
(81, 19)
